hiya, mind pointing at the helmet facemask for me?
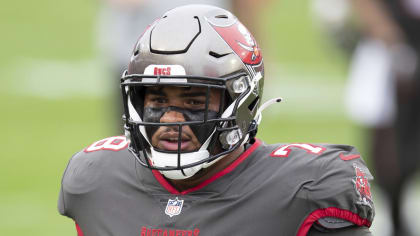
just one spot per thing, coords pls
(215, 129)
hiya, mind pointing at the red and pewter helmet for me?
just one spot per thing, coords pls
(194, 46)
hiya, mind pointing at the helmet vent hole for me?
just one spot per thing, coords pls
(136, 52)
(217, 55)
(221, 17)
(253, 104)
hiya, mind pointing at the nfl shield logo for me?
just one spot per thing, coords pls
(174, 207)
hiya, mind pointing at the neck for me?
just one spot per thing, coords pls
(206, 173)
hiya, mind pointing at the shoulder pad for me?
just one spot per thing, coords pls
(286, 150)
(85, 169)
(94, 169)
(83, 172)
(333, 180)
(341, 187)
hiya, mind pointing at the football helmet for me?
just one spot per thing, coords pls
(194, 46)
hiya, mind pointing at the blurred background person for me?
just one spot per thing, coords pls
(393, 29)
(120, 22)
(382, 38)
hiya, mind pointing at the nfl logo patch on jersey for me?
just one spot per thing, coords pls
(174, 207)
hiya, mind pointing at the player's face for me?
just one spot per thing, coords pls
(178, 104)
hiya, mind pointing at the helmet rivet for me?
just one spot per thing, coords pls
(240, 85)
(229, 138)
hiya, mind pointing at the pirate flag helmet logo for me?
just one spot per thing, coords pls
(241, 41)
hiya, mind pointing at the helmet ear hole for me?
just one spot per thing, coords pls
(226, 100)
(253, 104)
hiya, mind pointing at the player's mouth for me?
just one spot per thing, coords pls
(169, 141)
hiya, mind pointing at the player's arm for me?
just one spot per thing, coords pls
(61, 197)
(348, 231)
(341, 194)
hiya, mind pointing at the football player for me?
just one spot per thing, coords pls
(190, 164)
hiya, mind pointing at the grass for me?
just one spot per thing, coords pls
(47, 29)
(39, 136)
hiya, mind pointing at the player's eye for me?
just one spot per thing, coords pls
(196, 103)
(159, 100)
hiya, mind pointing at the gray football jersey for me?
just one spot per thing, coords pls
(280, 189)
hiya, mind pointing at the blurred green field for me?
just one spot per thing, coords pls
(54, 102)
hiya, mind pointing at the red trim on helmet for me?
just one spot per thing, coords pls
(159, 177)
(331, 212)
(79, 230)
(241, 41)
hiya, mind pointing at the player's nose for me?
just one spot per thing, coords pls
(172, 116)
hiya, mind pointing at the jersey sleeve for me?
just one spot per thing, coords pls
(349, 231)
(83, 175)
(339, 194)
(61, 203)
(61, 197)
(90, 170)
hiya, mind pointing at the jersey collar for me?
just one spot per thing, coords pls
(159, 177)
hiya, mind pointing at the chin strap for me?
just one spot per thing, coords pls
(161, 159)
(168, 159)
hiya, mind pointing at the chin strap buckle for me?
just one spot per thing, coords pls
(253, 129)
